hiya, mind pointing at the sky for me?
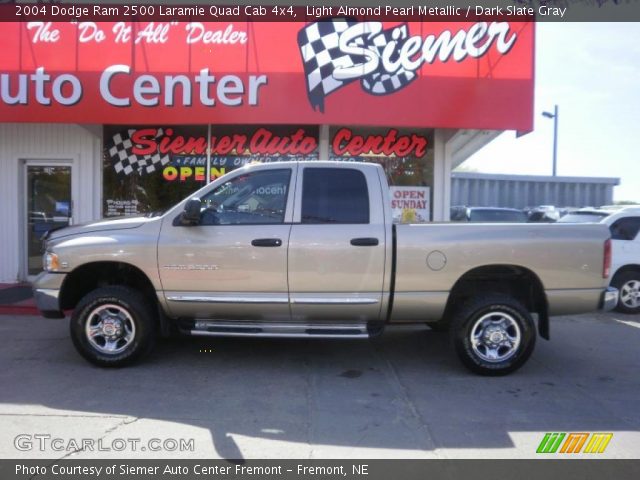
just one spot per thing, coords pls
(592, 72)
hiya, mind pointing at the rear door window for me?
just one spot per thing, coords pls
(334, 195)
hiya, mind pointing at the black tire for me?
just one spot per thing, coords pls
(498, 305)
(621, 281)
(140, 321)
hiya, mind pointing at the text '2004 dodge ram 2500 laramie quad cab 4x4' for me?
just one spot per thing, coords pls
(309, 249)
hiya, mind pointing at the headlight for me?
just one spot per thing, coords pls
(50, 262)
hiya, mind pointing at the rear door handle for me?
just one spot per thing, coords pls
(364, 242)
(266, 242)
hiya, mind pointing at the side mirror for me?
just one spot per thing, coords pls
(191, 213)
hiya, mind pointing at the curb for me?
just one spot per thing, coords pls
(23, 307)
(18, 310)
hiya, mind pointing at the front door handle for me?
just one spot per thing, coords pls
(266, 242)
(364, 242)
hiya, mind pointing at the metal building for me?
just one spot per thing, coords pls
(520, 191)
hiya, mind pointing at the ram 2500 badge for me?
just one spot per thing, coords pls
(309, 249)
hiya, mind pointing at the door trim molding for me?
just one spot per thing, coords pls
(334, 301)
(301, 300)
(227, 299)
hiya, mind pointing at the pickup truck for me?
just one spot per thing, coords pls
(309, 249)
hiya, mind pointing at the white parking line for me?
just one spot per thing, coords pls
(627, 322)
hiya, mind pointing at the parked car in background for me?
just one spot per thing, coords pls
(487, 215)
(543, 213)
(624, 224)
(615, 207)
(585, 215)
(562, 211)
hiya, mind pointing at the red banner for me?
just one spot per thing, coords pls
(420, 74)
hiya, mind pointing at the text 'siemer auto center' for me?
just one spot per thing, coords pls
(107, 119)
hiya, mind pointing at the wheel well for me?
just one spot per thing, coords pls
(516, 281)
(90, 276)
(625, 269)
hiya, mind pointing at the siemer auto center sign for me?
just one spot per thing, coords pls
(342, 71)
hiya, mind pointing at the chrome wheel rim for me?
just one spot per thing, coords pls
(110, 329)
(630, 294)
(495, 337)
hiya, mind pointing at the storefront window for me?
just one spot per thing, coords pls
(149, 169)
(407, 157)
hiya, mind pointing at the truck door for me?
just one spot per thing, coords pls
(337, 245)
(233, 264)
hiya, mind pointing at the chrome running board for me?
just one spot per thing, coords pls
(211, 328)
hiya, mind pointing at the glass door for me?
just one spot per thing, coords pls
(48, 206)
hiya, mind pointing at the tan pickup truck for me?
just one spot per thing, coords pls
(309, 249)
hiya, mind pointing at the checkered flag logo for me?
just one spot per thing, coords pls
(319, 45)
(381, 82)
(320, 48)
(126, 162)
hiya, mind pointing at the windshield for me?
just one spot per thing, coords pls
(583, 217)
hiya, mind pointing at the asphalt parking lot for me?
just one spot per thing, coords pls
(398, 396)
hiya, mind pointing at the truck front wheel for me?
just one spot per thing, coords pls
(493, 335)
(113, 326)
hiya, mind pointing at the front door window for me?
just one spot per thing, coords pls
(252, 199)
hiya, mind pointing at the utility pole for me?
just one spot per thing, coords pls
(554, 115)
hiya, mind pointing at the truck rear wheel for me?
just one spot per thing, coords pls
(113, 326)
(628, 283)
(493, 335)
